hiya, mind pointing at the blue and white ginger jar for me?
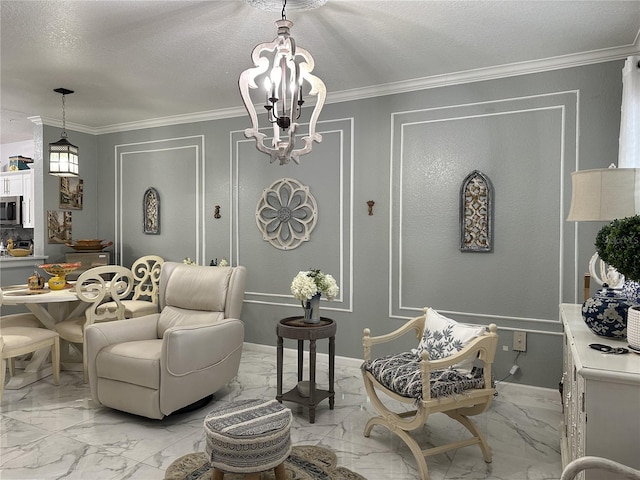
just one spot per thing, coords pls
(606, 313)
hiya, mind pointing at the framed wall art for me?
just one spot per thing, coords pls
(151, 211)
(476, 213)
(71, 193)
(58, 226)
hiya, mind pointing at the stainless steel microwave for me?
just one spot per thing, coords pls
(10, 210)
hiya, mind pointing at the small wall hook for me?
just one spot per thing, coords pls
(371, 203)
(216, 212)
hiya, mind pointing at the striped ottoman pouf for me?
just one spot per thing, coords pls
(248, 436)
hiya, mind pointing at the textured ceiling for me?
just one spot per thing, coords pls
(134, 61)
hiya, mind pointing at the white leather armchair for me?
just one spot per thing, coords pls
(159, 363)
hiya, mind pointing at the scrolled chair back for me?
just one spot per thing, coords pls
(107, 282)
(146, 272)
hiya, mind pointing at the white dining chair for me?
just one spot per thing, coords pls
(19, 336)
(25, 319)
(146, 274)
(110, 282)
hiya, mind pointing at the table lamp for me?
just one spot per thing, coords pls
(604, 194)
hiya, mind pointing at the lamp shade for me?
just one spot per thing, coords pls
(604, 194)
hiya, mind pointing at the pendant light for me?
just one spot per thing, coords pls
(63, 156)
(283, 69)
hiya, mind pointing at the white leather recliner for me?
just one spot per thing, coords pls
(159, 363)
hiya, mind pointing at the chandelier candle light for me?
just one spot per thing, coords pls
(308, 286)
(284, 71)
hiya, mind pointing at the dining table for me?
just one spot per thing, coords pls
(50, 307)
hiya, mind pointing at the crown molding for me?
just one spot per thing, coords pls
(436, 81)
(489, 73)
(173, 120)
(54, 122)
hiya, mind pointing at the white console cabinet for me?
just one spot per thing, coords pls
(601, 398)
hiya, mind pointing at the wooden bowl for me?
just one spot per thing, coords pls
(89, 248)
(60, 268)
(88, 243)
(19, 252)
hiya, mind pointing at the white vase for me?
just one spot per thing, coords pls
(312, 309)
(633, 327)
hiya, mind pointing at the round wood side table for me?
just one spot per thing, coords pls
(296, 329)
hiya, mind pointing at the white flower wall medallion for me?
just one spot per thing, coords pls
(286, 214)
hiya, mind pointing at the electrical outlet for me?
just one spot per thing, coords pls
(520, 341)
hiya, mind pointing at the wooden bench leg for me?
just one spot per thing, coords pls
(280, 472)
(217, 474)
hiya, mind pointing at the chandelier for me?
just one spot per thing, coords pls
(284, 71)
(63, 156)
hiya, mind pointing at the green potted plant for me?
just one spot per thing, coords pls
(618, 244)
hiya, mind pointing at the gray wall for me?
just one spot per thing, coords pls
(85, 221)
(409, 153)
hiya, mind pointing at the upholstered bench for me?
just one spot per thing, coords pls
(249, 437)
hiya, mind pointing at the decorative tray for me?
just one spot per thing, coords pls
(89, 248)
(8, 288)
(26, 291)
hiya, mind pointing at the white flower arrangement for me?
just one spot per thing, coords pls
(188, 261)
(308, 283)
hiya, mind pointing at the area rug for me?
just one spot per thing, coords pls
(306, 462)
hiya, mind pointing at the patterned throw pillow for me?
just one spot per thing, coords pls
(443, 337)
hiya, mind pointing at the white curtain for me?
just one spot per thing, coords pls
(629, 147)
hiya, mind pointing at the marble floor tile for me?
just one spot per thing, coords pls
(56, 432)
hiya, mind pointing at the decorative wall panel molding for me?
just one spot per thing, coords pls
(305, 215)
(476, 213)
(529, 144)
(286, 214)
(182, 202)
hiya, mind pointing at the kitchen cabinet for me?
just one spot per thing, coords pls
(20, 184)
(11, 184)
(601, 398)
(28, 210)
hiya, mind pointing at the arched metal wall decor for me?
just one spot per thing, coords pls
(286, 214)
(151, 211)
(476, 213)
